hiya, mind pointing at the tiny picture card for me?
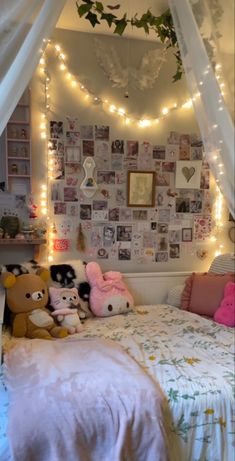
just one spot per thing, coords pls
(108, 235)
(61, 244)
(116, 162)
(132, 149)
(195, 206)
(174, 250)
(73, 138)
(175, 235)
(60, 148)
(140, 215)
(159, 152)
(64, 227)
(72, 168)
(120, 197)
(85, 211)
(168, 166)
(100, 215)
(125, 214)
(72, 123)
(71, 180)
(124, 253)
(174, 137)
(106, 177)
(102, 132)
(57, 194)
(56, 129)
(182, 205)
(187, 234)
(121, 177)
(117, 146)
(88, 148)
(100, 205)
(162, 243)
(205, 179)
(102, 253)
(70, 194)
(161, 257)
(124, 233)
(57, 167)
(196, 153)
(162, 228)
(162, 179)
(59, 208)
(203, 226)
(72, 154)
(114, 214)
(72, 209)
(188, 174)
(96, 236)
(172, 152)
(86, 132)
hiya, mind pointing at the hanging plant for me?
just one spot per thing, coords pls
(162, 25)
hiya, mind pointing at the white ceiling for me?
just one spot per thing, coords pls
(69, 18)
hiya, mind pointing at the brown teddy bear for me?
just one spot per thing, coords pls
(27, 296)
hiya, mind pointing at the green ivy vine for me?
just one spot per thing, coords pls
(162, 25)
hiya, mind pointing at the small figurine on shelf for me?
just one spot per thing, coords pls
(27, 230)
(23, 133)
(14, 168)
(32, 209)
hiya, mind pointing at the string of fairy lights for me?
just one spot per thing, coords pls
(88, 95)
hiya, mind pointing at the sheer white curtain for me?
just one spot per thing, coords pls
(200, 26)
(24, 27)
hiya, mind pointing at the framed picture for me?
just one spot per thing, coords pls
(187, 234)
(188, 174)
(141, 189)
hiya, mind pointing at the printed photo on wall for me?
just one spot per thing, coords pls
(175, 236)
(85, 211)
(70, 194)
(100, 205)
(72, 168)
(132, 148)
(72, 209)
(164, 215)
(59, 208)
(71, 180)
(125, 214)
(187, 234)
(72, 123)
(116, 162)
(168, 166)
(162, 228)
(102, 253)
(182, 205)
(56, 129)
(162, 179)
(174, 250)
(195, 206)
(140, 215)
(108, 235)
(117, 146)
(86, 132)
(124, 233)
(72, 154)
(52, 145)
(196, 153)
(88, 147)
(173, 138)
(57, 167)
(106, 177)
(172, 152)
(162, 243)
(205, 179)
(57, 192)
(102, 132)
(188, 174)
(159, 152)
(102, 154)
(114, 214)
(120, 197)
(124, 254)
(73, 138)
(161, 257)
(60, 147)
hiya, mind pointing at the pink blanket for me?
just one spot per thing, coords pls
(82, 400)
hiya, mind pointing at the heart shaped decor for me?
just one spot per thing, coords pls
(202, 254)
(188, 172)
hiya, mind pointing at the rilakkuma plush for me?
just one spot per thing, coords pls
(109, 295)
(66, 301)
(69, 275)
(26, 297)
(225, 314)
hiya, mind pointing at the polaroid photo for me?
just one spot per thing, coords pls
(162, 243)
(120, 197)
(100, 205)
(117, 146)
(73, 138)
(88, 148)
(72, 209)
(163, 179)
(100, 215)
(182, 205)
(196, 153)
(86, 132)
(140, 215)
(164, 215)
(57, 194)
(172, 152)
(168, 166)
(162, 228)
(72, 168)
(195, 206)
(116, 162)
(72, 123)
(108, 235)
(125, 214)
(205, 179)
(175, 235)
(102, 132)
(57, 167)
(173, 138)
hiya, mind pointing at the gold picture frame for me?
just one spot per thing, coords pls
(141, 189)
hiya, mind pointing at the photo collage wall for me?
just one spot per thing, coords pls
(179, 217)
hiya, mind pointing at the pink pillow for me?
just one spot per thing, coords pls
(203, 293)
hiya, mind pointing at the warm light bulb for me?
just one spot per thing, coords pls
(43, 135)
(121, 111)
(62, 67)
(57, 47)
(112, 108)
(44, 187)
(165, 111)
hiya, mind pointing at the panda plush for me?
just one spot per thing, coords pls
(69, 275)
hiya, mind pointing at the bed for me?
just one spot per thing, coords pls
(191, 361)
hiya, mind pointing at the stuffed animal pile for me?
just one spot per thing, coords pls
(26, 297)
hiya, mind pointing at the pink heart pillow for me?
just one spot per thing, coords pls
(226, 312)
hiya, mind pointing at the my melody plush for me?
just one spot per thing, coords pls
(66, 301)
(26, 297)
(225, 314)
(109, 295)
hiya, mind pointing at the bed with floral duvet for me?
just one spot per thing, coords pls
(191, 358)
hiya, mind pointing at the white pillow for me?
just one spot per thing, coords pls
(174, 295)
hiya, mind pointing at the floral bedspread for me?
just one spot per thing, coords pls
(192, 359)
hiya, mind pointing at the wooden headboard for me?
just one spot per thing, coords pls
(146, 288)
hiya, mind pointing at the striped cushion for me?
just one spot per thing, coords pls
(223, 264)
(174, 295)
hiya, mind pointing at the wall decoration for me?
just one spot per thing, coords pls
(188, 174)
(203, 226)
(141, 188)
(102, 132)
(61, 244)
(187, 234)
(202, 253)
(89, 185)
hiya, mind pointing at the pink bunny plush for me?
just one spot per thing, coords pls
(109, 295)
(225, 314)
(65, 301)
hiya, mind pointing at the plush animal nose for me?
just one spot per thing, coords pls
(37, 295)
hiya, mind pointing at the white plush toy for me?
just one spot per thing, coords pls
(65, 301)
